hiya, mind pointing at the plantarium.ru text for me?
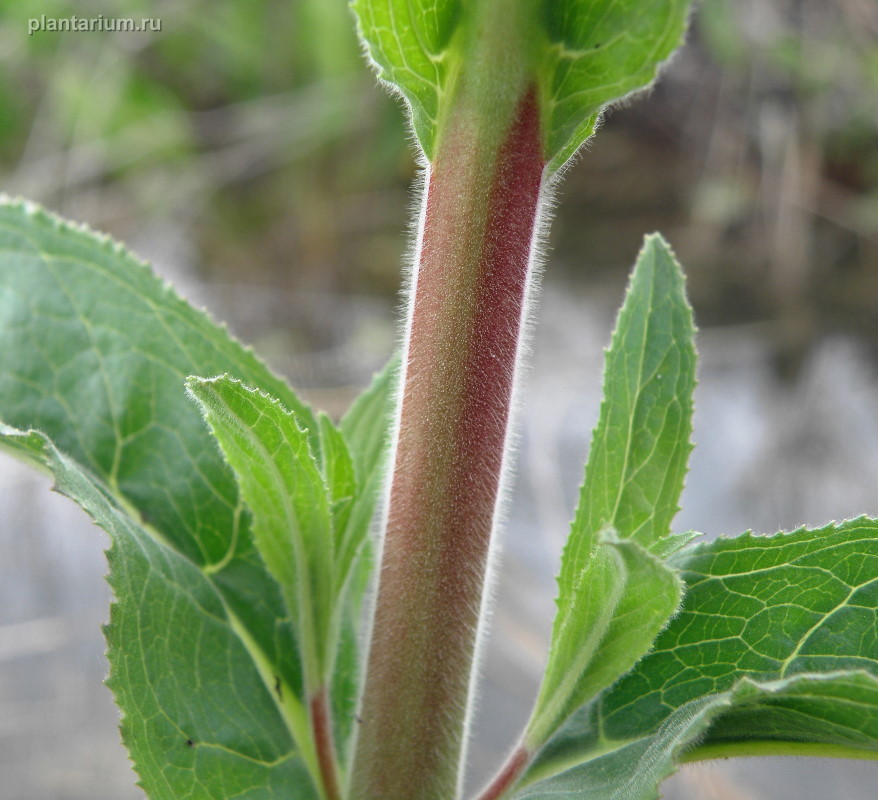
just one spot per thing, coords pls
(253, 652)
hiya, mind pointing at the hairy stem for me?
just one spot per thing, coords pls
(470, 286)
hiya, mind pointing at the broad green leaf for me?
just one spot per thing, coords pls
(771, 607)
(794, 615)
(94, 350)
(615, 596)
(281, 484)
(408, 41)
(599, 51)
(205, 714)
(632, 769)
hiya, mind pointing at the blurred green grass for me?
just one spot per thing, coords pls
(254, 132)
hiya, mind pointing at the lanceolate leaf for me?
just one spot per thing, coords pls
(640, 448)
(366, 425)
(613, 601)
(94, 351)
(205, 714)
(282, 486)
(774, 651)
(341, 482)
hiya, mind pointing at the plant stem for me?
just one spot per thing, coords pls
(483, 195)
(509, 773)
(321, 726)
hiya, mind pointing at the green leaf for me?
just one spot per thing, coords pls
(94, 350)
(623, 599)
(205, 715)
(632, 769)
(614, 595)
(282, 486)
(640, 448)
(770, 607)
(598, 51)
(774, 651)
(366, 429)
(408, 43)
(581, 55)
(338, 473)
(366, 425)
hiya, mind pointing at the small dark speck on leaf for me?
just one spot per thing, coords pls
(190, 743)
(277, 687)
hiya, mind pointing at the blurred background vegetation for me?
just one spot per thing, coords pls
(247, 140)
(245, 150)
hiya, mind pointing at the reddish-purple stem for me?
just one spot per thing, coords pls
(469, 300)
(506, 778)
(321, 726)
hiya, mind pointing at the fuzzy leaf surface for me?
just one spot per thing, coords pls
(775, 650)
(623, 600)
(366, 429)
(614, 595)
(94, 351)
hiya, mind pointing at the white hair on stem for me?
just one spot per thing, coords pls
(527, 324)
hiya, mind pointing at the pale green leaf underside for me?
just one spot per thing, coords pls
(598, 51)
(787, 612)
(366, 425)
(94, 350)
(282, 486)
(613, 602)
(202, 718)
